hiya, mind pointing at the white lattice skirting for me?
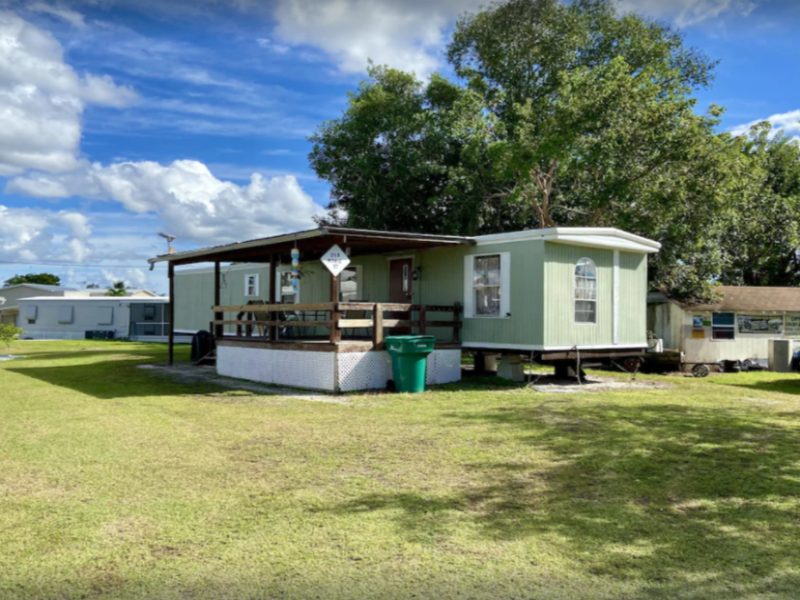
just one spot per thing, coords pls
(329, 371)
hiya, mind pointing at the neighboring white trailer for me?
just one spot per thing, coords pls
(76, 318)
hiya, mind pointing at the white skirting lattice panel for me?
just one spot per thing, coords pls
(329, 371)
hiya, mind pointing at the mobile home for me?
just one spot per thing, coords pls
(551, 293)
(737, 326)
(80, 317)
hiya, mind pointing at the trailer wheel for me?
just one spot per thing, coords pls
(632, 364)
(700, 370)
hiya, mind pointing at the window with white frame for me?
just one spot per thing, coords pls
(585, 291)
(487, 285)
(350, 284)
(251, 285)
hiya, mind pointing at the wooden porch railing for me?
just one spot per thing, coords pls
(265, 321)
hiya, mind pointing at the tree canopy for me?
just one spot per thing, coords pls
(118, 288)
(41, 278)
(568, 114)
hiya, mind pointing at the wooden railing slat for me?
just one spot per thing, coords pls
(276, 323)
(376, 321)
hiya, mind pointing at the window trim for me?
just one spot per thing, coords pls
(575, 300)
(256, 285)
(505, 285)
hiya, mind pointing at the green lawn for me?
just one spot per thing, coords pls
(117, 483)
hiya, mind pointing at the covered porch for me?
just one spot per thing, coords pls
(280, 342)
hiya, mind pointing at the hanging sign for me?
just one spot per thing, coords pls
(335, 260)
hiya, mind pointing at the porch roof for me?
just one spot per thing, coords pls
(313, 243)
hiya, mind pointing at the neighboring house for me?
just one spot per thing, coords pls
(551, 293)
(76, 317)
(9, 306)
(738, 326)
(101, 292)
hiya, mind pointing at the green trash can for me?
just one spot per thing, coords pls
(409, 360)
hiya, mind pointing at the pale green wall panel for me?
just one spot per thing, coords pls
(194, 292)
(560, 328)
(632, 298)
(443, 283)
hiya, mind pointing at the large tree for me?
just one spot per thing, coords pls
(564, 114)
(761, 233)
(411, 156)
(42, 278)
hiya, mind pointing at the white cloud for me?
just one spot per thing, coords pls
(188, 199)
(42, 99)
(408, 35)
(788, 123)
(62, 12)
(33, 234)
(685, 13)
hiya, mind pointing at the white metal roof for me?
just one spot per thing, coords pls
(595, 237)
(121, 299)
(38, 286)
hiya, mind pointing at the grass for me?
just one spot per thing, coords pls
(117, 483)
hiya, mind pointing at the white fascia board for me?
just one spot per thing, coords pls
(595, 237)
(120, 299)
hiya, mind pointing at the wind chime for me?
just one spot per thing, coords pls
(295, 270)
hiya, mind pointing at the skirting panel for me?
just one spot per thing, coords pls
(295, 368)
(329, 371)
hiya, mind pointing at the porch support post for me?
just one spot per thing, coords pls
(171, 315)
(377, 326)
(273, 294)
(218, 316)
(336, 333)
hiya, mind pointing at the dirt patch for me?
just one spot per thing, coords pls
(593, 383)
(208, 374)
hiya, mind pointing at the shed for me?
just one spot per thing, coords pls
(736, 326)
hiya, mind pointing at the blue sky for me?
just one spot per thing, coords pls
(119, 119)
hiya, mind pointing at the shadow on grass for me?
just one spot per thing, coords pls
(783, 386)
(685, 501)
(105, 374)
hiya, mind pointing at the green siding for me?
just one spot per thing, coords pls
(541, 303)
(632, 298)
(560, 328)
(194, 292)
(443, 283)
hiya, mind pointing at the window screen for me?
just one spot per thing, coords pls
(486, 285)
(65, 315)
(723, 326)
(349, 284)
(251, 285)
(287, 293)
(585, 291)
(105, 315)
